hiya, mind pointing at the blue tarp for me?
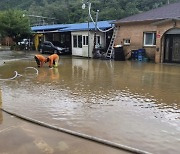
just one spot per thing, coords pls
(48, 27)
(73, 27)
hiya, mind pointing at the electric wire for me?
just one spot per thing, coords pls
(95, 23)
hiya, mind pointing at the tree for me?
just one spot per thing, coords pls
(69, 11)
(14, 24)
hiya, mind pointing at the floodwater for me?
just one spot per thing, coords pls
(136, 104)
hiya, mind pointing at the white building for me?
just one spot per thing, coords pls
(78, 37)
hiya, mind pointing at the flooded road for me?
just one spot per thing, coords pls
(131, 103)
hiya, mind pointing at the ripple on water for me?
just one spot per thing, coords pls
(109, 110)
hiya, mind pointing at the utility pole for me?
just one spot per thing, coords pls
(94, 47)
(83, 7)
(88, 27)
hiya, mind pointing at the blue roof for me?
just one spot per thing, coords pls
(47, 27)
(73, 27)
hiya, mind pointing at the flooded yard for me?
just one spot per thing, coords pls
(127, 102)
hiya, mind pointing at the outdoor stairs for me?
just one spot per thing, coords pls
(109, 53)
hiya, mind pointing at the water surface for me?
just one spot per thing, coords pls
(132, 103)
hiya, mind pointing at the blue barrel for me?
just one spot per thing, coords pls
(141, 54)
(140, 58)
(134, 54)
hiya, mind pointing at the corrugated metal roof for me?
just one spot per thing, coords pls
(84, 26)
(166, 12)
(73, 27)
(48, 27)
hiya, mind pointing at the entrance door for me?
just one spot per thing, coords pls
(172, 48)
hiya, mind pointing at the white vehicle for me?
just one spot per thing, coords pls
(24, 42)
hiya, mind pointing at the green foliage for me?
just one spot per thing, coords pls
(70, 11)
(14, 24)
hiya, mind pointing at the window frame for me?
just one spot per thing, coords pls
(85, 40)
(74, 41)
(126, 43)
(153, 41)
(77, 41)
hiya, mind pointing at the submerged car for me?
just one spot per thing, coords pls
(53, 47)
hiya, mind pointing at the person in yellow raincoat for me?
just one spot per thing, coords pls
(53, 60)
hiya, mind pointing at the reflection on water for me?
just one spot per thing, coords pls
(52, 75)
(126, 102)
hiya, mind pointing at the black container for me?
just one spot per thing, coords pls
(119, 54)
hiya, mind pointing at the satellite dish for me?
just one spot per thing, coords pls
(83, 6)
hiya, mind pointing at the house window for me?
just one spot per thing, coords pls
(77, 41)
(85, 40)
(149, 39)
(126, 41)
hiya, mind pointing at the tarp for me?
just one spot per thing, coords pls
(74, 27)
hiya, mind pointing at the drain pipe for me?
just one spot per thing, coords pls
(77, 134)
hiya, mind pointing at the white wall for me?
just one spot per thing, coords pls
(84, 50)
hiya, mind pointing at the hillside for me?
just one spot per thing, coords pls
(70, 11)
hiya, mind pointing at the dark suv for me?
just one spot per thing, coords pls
(53, 47)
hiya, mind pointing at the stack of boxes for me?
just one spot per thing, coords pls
(141, 54)
(134, 54)
(138, 54)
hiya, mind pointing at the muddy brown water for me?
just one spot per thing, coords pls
(131, 103)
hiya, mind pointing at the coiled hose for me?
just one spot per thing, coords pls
(17, 74)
